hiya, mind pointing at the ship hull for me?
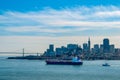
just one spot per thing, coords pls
(63, 63)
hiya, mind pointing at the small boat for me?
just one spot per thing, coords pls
(63, 62)
(106, 64)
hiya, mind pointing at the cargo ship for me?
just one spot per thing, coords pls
(63, 62)
(74, 61)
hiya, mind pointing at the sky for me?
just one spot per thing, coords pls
(34, 24)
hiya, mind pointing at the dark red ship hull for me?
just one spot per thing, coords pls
(63, 62)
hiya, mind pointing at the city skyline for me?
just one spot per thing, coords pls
(58, 42)
(34, 25)
(85, 51)
(105, 45)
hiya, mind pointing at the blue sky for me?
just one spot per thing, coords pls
(34, 5)
(57, 18)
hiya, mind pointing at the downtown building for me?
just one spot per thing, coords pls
(86, 50)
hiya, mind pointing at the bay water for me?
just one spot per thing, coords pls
(38, 70)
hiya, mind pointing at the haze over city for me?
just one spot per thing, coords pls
(39, 23)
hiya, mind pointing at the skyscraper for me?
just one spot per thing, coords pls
(112, 48)
(96, 48)
(89, 44)
(85, 47)
(51, 48)
(101, 48)
(72, 46)
(106, 46)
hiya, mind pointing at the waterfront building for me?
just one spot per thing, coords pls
(117, 50)
(106, 46)
(89, 45)
(101, 48)
(92, 50)
(50, 51)
(96, 48)
(85, 47)
(61, 51)
(51, 48)
(79, 50)
(112, 48)
(58, 51)
(72, 46)
(64, 49)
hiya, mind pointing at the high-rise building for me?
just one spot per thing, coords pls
(85, 47)
(51, 48)
(89, 44)
(112, 48)
(72, 46)
(101, 48)
(58, 51)
(106, 46)
(50, 51)
(96, 48)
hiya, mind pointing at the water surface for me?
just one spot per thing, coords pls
(38, 70)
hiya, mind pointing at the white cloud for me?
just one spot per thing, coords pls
(79, 20)
(58, 21)
(109, 14)
(34, 29)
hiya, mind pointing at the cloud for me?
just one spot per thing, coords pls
(34, 29)
(109, 14)
(68, 20)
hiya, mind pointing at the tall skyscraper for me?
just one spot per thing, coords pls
(51, 48)
(106, 46)
(89, 44)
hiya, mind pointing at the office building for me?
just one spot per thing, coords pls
(85, 47)
(51, 48)
(101, 48)
(72, 46)
(112, 48)
(96, 48)
(89, 45)
(106, 46)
